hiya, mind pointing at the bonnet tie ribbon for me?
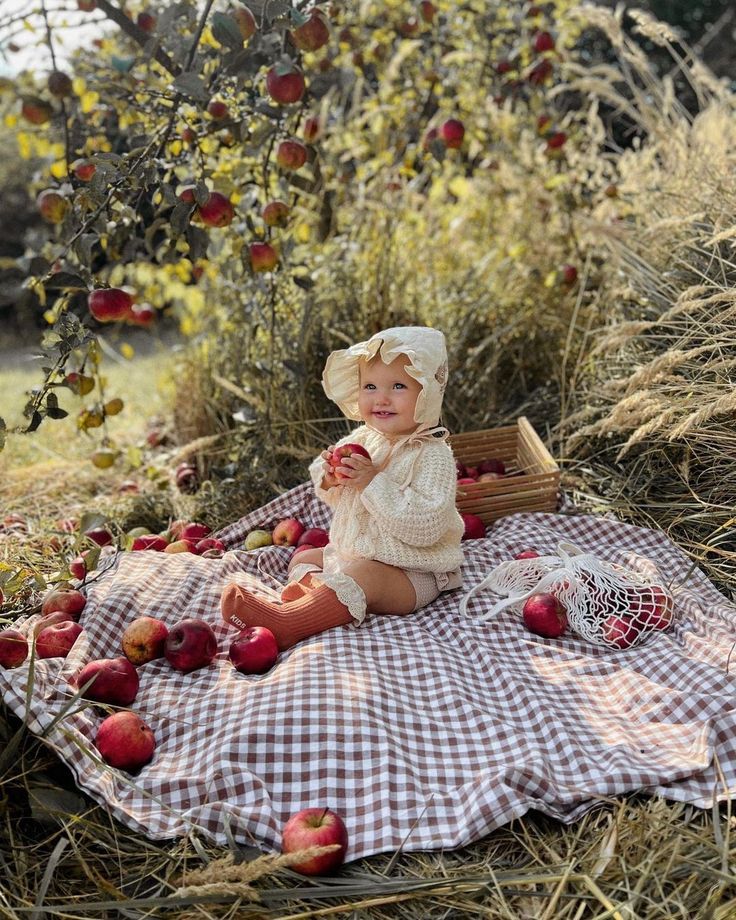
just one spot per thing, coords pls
(423, 433)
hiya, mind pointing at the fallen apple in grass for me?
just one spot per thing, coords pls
(254, 650)
(63, 598)
(191, 644)
(13, 648)
(315, 827)
(57, 639)
(125, 741)
(194, 531)
(114, 681)
(151, 541)
(544, 615)
(287, 532)
(144, 639)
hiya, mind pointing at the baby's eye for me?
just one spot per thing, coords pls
(400, 385)
(367, 385)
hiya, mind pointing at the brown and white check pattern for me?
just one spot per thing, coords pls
(428, 730)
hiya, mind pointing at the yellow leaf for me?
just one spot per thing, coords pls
(24, 146)
(556, 181)
(88, 101)
(11, 120)
(58, 169)
(460, 187)
(302, 233)
(551, 279)
(79, 86)
(127, 351)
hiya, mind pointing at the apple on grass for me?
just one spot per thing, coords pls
(143, 640)
(125, 741)
(287, 532)
(113, 680)
(315, 827)
(13, 648)
(64, 598)
(254, 650)
(57, 639)
(151, 541)
(194, 531)
(544, 615)
(191, 644)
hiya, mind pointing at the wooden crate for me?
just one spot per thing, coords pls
(532, 477)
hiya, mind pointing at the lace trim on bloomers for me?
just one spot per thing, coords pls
(347, 591)
(300, 570)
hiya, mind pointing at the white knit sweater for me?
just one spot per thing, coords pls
(417, 527)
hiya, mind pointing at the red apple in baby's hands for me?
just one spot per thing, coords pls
(56, 640)
(302, 546)
(475, 529)
(544, 615)
(315, 537)
(314, 827)
(114, 680)
(287, 532)
(143, 640)
(13, 648)
(191, 644)
(125, 741)
(64, 598)
(254, 650)
(345, 450)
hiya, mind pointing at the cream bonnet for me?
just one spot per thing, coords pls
(424, 347)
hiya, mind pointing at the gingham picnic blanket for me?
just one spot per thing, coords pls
(423, 732)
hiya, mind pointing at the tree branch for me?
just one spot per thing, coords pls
(138, 35)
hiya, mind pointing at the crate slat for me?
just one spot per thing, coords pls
(533, 476)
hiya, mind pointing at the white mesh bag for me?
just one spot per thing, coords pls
(606, 604)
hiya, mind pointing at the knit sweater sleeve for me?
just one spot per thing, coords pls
(418, 514)
(317, 468)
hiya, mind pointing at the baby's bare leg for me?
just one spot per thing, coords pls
(297, 589)
(386, 588)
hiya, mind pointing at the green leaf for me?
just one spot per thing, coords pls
(179, 219)
(3, 429)
(226, 31)
(57, 413)
(91, 520)
(191, 84)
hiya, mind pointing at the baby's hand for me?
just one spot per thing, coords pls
(329, 480)
(356, 471)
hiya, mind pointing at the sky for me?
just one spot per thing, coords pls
(22, 24)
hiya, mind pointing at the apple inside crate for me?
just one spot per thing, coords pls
(532, 478)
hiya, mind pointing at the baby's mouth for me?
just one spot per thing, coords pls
(383, 414)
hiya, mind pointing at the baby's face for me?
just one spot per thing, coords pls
(388, 396)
